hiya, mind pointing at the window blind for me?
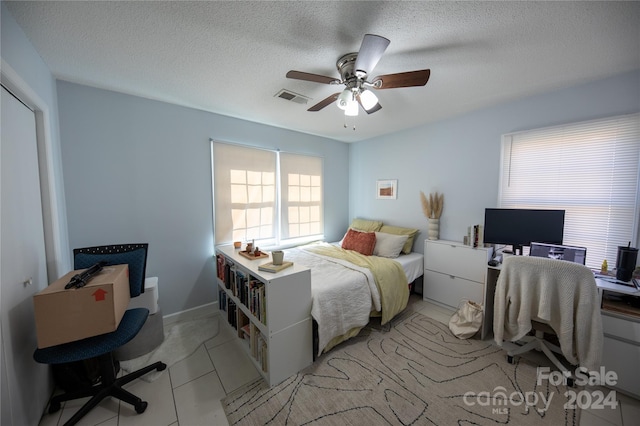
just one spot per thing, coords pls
(589, 169)
(244, 193)
(301, 179)
(268, 196)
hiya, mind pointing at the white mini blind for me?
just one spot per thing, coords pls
(589, 169)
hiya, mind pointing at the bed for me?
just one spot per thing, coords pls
(349, 285)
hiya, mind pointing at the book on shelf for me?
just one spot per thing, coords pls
(231, 313)
(222, 300)
(475, 236)
(243, 324)
(270, 267)
(246, 331)
(224, 269)
(253, 339)
(220, 266)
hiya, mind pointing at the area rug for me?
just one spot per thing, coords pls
(414, 373)
(180, 340)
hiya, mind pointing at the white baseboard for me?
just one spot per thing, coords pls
(191, 314)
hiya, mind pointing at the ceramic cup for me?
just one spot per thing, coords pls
(277, 257)
(237, 244)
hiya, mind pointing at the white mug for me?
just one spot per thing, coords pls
(277, 257)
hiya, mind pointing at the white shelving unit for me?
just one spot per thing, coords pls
(454, 272)
(281, 321)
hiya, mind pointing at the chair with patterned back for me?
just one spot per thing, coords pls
(101, 347)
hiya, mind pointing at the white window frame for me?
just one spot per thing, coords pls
(541, 156)
(276, 240)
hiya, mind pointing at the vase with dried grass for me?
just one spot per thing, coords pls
(432, 209)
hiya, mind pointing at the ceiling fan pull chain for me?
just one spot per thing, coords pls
(345, 123)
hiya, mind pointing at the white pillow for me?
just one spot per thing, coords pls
(389, 245)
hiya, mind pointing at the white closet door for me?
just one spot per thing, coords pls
(22, 265)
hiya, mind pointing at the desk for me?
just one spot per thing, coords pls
(621, 329)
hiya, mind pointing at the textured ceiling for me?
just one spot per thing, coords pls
(231, 57)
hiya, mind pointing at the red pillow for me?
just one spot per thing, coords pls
(362, 242)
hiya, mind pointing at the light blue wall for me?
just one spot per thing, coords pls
(460, 157)
(23, 69)
(138, 170)
(18, 53)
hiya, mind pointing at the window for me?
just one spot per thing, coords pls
(302, 200)
(589, 169)
(268, 196)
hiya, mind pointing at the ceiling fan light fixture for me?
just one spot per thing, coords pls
(368, 99)
(354, 69)
(344, 99)
(352, 108)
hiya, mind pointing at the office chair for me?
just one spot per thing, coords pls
(553, 297)
(102, 346)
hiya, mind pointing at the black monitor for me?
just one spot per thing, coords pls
(521, 227)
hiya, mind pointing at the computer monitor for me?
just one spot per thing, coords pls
(560, 252)
(521, 227)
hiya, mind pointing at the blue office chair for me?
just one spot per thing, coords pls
(102, 346)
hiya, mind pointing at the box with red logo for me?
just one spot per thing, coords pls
(65, 315)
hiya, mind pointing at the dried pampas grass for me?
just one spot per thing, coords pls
(432, 206)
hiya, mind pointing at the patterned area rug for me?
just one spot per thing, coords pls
(412, 373)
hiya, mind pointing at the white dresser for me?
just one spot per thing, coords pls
(620, 308)
(454, 272)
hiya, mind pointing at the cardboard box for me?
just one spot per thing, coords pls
(63, 316)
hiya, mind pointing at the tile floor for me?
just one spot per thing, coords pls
(190, 394)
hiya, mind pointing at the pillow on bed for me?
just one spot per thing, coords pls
(389, 245)
(366, 225)
(397, 230)
(362, 242)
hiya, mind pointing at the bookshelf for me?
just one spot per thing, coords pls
(269, 312)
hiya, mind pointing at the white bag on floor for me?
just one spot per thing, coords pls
(467, 320)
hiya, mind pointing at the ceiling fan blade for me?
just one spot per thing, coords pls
(371, 50)
(323, 103)
(402, 79)
(376, 107)
(316, 78)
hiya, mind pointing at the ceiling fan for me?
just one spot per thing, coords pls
(354, 69)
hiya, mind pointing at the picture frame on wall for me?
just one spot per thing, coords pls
(387, 189)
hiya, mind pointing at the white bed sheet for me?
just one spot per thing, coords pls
(344, 294)
(413, 265)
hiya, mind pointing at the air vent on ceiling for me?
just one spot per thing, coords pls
(291, 96)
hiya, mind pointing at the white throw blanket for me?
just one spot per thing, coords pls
(560, 293)
(342, 297)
